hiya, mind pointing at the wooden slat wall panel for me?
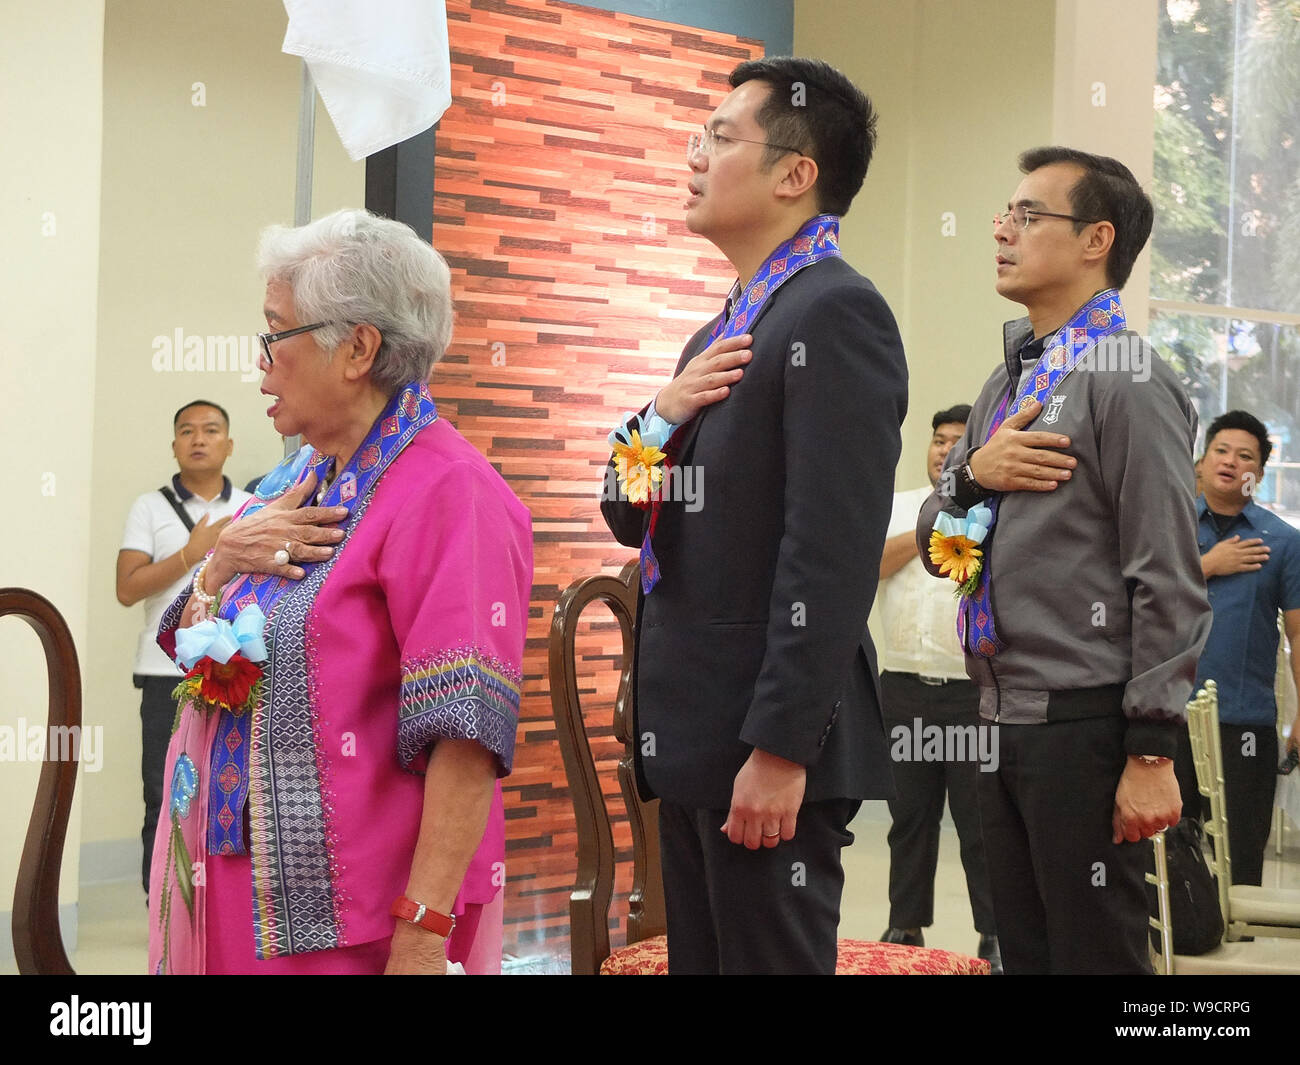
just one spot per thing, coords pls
(559, 181)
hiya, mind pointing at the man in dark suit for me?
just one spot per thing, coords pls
(757, 710)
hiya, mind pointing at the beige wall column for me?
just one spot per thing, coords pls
(50, 124)
(963, 86)
(1102, 99)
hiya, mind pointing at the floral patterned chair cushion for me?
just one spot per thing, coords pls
(857, 957)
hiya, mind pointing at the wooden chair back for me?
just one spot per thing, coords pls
(594, 887)
(38, 941)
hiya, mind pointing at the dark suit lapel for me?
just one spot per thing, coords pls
(682, 440)
(685, 435)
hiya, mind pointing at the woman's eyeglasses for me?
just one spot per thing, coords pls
(268, 339)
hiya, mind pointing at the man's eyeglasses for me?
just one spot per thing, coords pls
(704, 143)
(1022, 216)
(268, 339)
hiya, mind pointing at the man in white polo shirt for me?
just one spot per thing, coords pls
(168, 532)
(925, 688)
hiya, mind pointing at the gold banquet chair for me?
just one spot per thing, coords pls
(1248, 910)
(646, 952)
(1284, 691)
(1264, 957)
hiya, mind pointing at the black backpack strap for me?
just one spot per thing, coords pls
(176, 506)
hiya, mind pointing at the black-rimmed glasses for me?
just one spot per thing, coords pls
(1023, 215)
(268, 339)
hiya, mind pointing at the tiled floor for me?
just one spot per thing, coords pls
(113, 929)
(864, 911)
(114, 938)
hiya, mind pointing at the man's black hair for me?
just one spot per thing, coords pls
(1247, 423)
(201, 403)
(1107, 191)
(958, 415)
(814, 108)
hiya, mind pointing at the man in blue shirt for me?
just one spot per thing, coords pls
(1251, 561)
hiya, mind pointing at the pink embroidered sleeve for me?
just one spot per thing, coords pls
(457, 572)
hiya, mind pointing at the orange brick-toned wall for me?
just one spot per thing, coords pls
(558, 190)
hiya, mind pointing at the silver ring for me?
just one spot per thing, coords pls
(282, 558)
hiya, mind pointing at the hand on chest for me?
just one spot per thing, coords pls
(746, 426)
(1249, 564)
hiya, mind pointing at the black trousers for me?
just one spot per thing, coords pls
(1250, 757)
(771, 910)
(918, 810)
(1249, 785)
(1067, 899)
(157, 711)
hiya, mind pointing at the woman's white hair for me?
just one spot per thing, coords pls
(353, 267)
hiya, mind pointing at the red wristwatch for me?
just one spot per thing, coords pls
(439, 924)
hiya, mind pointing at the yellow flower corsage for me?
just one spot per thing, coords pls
(640, 468)
(954, 547)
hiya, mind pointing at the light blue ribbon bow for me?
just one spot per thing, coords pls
(655, 430)
(975, 526)
(218, 639)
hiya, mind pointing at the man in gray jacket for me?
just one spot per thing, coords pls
(1084, 623)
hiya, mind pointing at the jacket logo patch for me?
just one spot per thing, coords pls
(1054, 411)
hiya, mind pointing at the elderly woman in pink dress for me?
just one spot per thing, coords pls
(354, 644)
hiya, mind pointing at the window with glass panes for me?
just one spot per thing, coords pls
(1225, 278)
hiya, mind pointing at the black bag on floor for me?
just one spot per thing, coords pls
(1193, 892)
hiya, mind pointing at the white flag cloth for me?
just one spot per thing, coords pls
(382, 66)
